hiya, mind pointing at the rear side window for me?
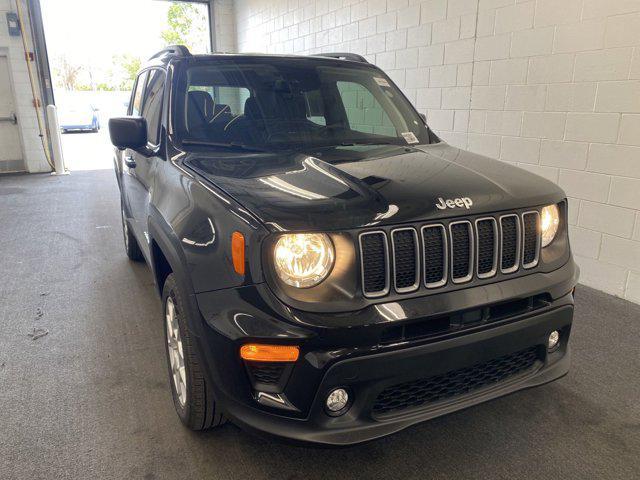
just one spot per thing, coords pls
(364, 112)
(136, 99)
(234, 97)
(152, 105)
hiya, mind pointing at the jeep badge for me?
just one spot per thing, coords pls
(459, 202)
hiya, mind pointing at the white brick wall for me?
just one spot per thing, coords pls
(550, 85)
(223, 25)
(11, 47)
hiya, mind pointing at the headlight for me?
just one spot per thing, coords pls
(303, 260)
(549, 221)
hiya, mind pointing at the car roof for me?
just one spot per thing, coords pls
(165, 56)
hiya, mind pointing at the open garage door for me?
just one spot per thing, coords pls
(94, 60)
(10, 153)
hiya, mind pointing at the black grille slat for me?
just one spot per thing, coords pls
(405, 259)
(433, 239)
(461, 240)
(266, 372)
(374, 263)
(486, 246)
(531, 235)
(455, 383)
(509, 227)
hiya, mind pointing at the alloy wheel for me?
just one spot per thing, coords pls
(176, 353)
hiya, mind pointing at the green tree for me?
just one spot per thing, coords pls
(127, 67)
(187, 25)
(105, 87)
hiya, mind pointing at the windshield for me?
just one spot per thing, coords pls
(289, 103)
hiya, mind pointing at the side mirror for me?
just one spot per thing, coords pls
(128, 132)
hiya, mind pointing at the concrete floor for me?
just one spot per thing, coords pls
(91, 399)
(75, 146)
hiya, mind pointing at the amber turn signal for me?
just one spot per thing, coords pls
(237, 252)
(257, 352)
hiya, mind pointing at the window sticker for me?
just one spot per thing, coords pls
(381, 81)
(410, 137)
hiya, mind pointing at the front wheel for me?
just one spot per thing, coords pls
(192, 397)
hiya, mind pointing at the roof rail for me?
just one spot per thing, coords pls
(172, 50)
(354, 57)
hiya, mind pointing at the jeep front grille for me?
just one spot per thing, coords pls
(434, 240)
(510, 240)
(531, 224)
(461, 251)
(487, 247)
(375, 256)
(406, 272)
(433, 255)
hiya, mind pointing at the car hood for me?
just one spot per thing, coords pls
(385, 185)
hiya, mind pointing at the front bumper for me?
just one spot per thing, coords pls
(353, 357)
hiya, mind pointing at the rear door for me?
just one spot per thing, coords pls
(10, 153)
(146, 159)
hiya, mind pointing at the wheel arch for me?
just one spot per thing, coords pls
(167, 255)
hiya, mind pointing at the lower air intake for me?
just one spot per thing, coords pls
(452, 384)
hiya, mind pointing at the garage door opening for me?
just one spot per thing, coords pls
(93, 63)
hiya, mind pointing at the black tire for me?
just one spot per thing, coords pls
(199, 410)
(130, 243)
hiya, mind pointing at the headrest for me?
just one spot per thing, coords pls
(251, 109)
(199, 109)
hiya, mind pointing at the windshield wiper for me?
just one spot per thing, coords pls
(230, 145)
(373, 142)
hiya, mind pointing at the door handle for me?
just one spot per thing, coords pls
(129, 161)
(11, 118)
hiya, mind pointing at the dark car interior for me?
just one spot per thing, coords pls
(267, 105)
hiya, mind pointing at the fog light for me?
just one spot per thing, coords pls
(553, 341)
(337, 400)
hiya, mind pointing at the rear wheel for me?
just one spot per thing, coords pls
(130, 243)
(192, 396)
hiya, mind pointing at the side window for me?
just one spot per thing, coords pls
(364, 112)
(136, 99)
(152, 105)
(234, 97)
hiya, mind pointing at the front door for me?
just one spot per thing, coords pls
(10, 153)
(146, 159)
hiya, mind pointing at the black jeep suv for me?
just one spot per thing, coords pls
(330, 270)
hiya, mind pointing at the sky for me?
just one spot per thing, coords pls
(91, 32)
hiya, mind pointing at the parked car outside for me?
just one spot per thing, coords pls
(78, 115)
(330, 270)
